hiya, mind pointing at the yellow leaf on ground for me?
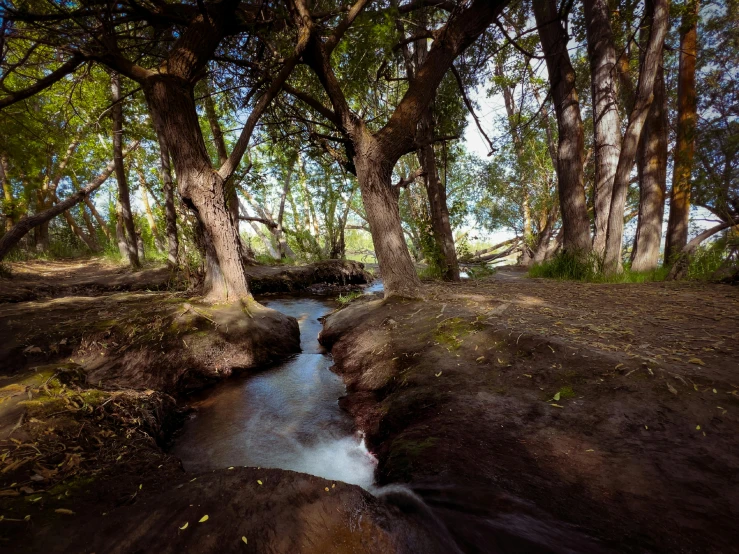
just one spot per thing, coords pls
(64, 511)
(204, 518)
(244, 540)
(696, 361)
(185, 525)
(258, 481)
(438, 374)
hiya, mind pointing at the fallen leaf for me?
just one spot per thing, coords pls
(64, 511)
(672, 389)
(438, 374)
(696, 361)
(244, 540)
(326, 489)
(203, 519)
(556, 405)
(557, 397)
(697, 427)
(258, 481)
(185, 526)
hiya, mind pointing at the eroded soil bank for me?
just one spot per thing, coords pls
(541, 416)
(94, 385)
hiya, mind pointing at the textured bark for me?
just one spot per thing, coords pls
(606, 120)
(570, 150)
(170, 214)
(438, 209)
(651, 163)
(125, 214)
(652, 59)
(172, 106)
(677, 226)
(380, 200)
(283, 247)
(19, 230)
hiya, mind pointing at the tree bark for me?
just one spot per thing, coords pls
(651, 62)
(101, 222)
(380, 199)
(124, 200)
(438, 209)
(571, 147)
(172, 106)
(677, 225)
(651, 163)
(606, 120)
(170, 214)
(19, 230)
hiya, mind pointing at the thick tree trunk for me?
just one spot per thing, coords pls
(651, 163)
(570, 157)
(651, 62)
(380, 200)
(677, 225)
(124, 200)
(19, 230)
(606, 121)
(170, 214)
(436, 192)
(172, 106)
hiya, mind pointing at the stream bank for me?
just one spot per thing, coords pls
(531, 417)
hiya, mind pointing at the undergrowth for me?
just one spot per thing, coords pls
(345, 299)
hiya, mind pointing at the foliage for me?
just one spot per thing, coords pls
(345, 299)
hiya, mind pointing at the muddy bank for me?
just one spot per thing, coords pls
(87, 277)
(328, 277)
(234, 510)
(160, 341)
(529, 425)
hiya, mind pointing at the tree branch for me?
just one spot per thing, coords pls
(62, 71)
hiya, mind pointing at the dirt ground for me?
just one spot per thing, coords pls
(541, 416)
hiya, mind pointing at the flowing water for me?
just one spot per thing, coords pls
(285, 417)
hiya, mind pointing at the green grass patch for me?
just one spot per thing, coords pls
(345, 299)
(568, 267)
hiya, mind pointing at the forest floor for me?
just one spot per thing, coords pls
(539, 416)
(530, 415)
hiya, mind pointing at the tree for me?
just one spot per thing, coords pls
(659, 18)
(606, 119)
(570, 158)
(677, 225)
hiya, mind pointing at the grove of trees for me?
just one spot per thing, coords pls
(221, 132)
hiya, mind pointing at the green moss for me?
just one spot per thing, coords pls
(566, 392)
(71, 485)
(451, 333)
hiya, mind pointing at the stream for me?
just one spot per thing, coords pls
(286, 416)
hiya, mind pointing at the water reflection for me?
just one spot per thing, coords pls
(285, 417)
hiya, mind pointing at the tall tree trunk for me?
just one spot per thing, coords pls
(172, 106)
(571, 148)
(651, 161)
(435, 189)
(380, 200)
(606, 121)
(677, 225)
(120, 231)
(124, 200)
(436, 192)
(659, 10)
(170, 214)
(232, 200)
